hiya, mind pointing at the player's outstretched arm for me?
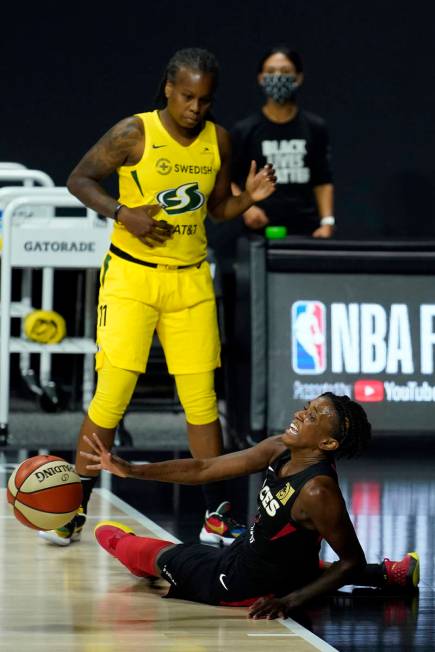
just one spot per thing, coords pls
(185, 471)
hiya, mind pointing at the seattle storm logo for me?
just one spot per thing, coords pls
(183, 199)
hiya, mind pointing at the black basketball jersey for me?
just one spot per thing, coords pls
(274, 529)
(283, 554)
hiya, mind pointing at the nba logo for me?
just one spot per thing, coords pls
(308, 319)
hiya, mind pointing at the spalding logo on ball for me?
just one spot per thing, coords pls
(45, 326)
(44, 492)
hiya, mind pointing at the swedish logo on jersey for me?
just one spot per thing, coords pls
(183, 199)
(285, 493)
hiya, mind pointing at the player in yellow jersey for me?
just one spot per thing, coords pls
(173, 167)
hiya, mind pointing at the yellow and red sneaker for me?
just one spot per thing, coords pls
(219, 528)
(403, 574)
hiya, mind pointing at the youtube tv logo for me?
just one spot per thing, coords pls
(369, 391)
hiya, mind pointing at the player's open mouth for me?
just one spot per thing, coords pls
(293, 429)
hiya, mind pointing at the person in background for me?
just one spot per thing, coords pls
(296, 143)
(173, 165)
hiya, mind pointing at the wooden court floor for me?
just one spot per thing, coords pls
(79, 599)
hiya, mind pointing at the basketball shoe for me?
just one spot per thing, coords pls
(219, 528)
(108, 533)
(403, 574)
(66, 534)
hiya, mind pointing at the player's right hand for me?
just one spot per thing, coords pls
(140, 222)
(102, 459)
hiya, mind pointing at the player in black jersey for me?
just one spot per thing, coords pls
(274, 567)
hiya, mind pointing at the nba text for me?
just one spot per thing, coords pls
(366, 338)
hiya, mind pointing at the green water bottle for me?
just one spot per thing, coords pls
(275, 232)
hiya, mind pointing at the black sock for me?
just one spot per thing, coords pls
(88, 483)
(214, 493)
(371, 575)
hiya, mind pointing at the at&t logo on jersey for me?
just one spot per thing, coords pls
(183, 199)
(308, 319)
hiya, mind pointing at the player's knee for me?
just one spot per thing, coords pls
(198, 397)
(113, 394)
(105, 411)
(200, 414)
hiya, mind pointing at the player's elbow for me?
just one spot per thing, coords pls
(73, 183)
(214, 212)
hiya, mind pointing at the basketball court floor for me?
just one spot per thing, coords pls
(78, 598)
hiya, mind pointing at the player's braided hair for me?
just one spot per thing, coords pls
(354, 430)
(196, 59)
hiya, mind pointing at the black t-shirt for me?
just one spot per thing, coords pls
(300, 153)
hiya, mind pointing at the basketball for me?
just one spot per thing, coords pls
(44, 492)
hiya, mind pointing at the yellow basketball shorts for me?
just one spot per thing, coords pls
(136, 300)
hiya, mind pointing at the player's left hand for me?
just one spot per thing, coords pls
(261, 184)
(270, 608)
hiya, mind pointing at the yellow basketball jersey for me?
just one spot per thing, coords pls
(179, 178)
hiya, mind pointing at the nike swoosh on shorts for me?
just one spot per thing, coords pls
(221, 576)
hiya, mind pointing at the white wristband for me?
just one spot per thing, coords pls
(327, 221)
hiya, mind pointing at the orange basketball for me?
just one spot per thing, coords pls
(44, 492)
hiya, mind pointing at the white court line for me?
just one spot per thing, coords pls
(289, 623)
(308, 636)
(268, 635)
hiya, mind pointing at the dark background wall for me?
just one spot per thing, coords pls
(69, 72)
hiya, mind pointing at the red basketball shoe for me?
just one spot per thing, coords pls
(403, 574)
(108, 533)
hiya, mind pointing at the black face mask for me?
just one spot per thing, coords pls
(279, 87)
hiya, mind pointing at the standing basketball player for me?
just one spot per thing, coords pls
(275, 566)
(173, 166)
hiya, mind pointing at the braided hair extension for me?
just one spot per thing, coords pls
(354, 430)
(196, 59)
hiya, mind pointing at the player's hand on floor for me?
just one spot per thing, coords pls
(102, 459)
(270, 608)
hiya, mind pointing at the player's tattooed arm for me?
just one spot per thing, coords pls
(123, 144)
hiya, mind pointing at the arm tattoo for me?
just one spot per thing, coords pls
(111, 151)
